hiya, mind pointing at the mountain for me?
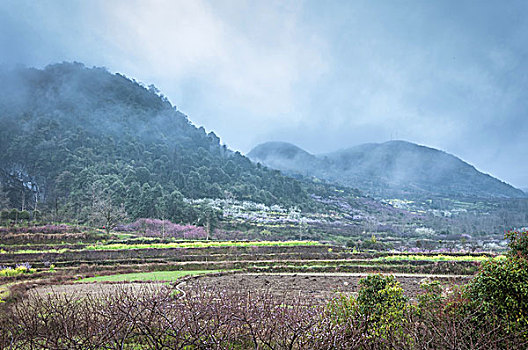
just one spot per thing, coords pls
(286, 157)
(394, 168)
(70, 134)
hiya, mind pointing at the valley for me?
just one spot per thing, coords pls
(123, 225)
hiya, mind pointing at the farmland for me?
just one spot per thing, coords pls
(112, 254)
(92, 255)
(256, 282)
(124, 225)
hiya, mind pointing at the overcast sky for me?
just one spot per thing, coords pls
(324, 75)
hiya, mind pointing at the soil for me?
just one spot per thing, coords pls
(96, 288)
(317, 287)
(312, 287)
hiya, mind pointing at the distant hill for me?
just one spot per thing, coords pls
(285, 157)
(394, 168)
(69, 132)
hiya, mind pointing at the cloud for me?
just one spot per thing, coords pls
(179, 40)
(324, 75)
(174, 41)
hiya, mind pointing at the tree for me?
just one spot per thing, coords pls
(4, 199)
(37, 215)
(518, 243)
(24, 215)
(4, 215)
(175, 206)
(381, 300)
(500, 288)
(13, 215)
(105, 213)
(208, 218)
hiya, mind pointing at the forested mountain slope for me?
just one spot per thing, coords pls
(70, 133)
(394, 168)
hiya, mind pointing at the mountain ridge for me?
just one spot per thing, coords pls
(72, 133)
(391, 168)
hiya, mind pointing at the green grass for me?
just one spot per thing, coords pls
(122, 236)
(4, 292)
(201, 244)
(438, 257)
(165, 276)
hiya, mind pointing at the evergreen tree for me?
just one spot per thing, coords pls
(4, 199)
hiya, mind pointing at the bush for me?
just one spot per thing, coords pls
(431, 296)
(342, 309)
(381, 300)
(501, 288)
(46, 229)
(373, 244)
(13, 214)
(518, 243)
(160, 318)
(378, 291)
(4, 215)
(24, 215)
(37, 215)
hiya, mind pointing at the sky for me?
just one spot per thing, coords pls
(324, 75)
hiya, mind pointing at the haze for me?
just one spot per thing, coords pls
(322, 75)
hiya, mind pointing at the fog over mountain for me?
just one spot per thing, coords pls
(70, 133)
(395, 168)
(322, 75)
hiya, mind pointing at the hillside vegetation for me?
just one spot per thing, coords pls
(73, 137)
(86, 146)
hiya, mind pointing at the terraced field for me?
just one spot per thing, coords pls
(304, 268)
(317, 287)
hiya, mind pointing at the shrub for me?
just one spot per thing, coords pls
(518, 243)
(159, 318)
(377, 291)
(431, 296)
(4, 215)
(452, 321)
(374, 244)
(501, 287)
(24, 215)
(13, 214)
(45, 229)
(37, 215)
(342, 309)
(381, 300)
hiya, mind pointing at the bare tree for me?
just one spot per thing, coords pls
(105, 213)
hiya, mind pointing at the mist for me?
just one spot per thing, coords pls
(325, 76)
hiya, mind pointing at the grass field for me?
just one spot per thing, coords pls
(439, 257)
(165, 276)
